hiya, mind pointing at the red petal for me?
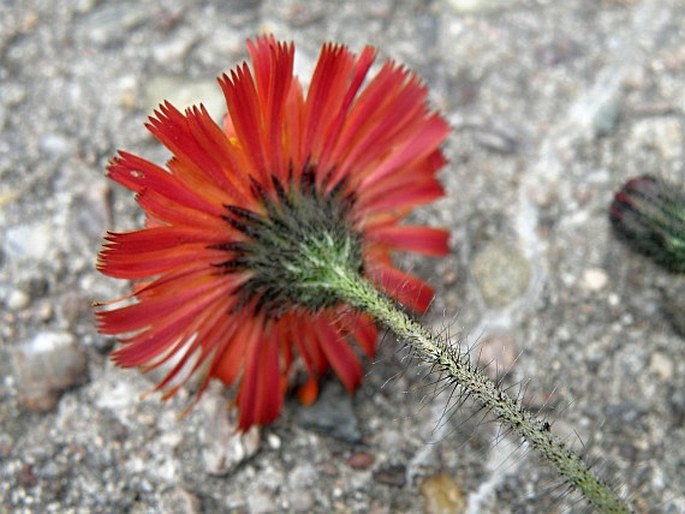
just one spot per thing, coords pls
(156, 305)
(403, 199)
(230, 360)
(273, 71)
(197, 143)
(425, 240)
(140, 175)
(338, 352)
(325, 97)
(404, 287)
(365, 332)
(151, 251)
(260, 396)
(414, 148)
(308, 392)
(352, 80)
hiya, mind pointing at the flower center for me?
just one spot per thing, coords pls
(291, 246)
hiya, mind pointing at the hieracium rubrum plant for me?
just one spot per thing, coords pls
(271, 238)
(648, 213)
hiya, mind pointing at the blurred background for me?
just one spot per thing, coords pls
(553, 104)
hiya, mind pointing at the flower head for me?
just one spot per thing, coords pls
(248, 221)
(649, 214)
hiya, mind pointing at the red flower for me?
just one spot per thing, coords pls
(219, 284)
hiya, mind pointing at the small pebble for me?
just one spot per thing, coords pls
(501, 273)
(274, 441)
(606, 118)
(71, 306)
(56, 145)
(34, 241)
(179, 501)
(17, 300)
(393, 475)
(261, 501)
(89, 211)
(301, 501)
(594, 279)
(332, 414)
(442, 495)
(360, 460)
(497, 140)
(661, 365)
(45, 366)
(223, 447)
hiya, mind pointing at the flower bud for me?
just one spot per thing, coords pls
(648, 213)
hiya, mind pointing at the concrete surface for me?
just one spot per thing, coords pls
(553, 104)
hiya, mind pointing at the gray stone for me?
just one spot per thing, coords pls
(606, 118)
(224, 448)
(47, 365)
(17, 300)
(661, 365)
(261, 502)
(442, 495)
(56, 145)
(301, 500)
(179, 501)
(89, 211)
(501, 274)
(301, 480)
(594, 279)
(332, 414)
(33, 241)
(394, 475)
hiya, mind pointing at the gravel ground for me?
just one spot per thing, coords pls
(553, 104)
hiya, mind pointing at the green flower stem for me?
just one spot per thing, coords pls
(361, 294)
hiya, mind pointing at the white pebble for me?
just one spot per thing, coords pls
(17, 300)
(594, 279)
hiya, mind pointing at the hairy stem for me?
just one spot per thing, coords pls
(361, 294)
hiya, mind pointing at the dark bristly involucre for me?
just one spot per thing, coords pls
(648, 213)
